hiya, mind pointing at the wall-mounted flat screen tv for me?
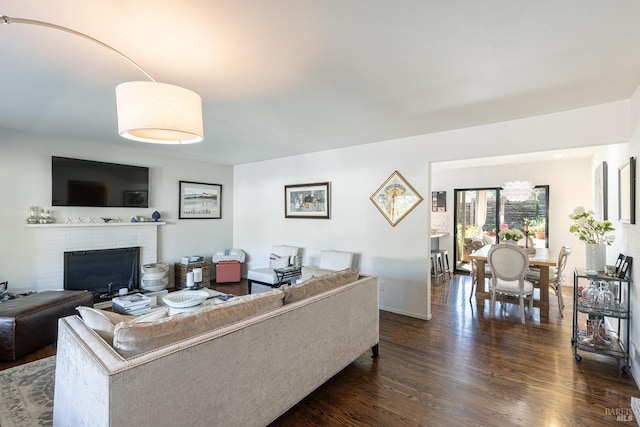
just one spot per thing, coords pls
(76, 182)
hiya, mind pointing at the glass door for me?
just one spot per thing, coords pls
(475, 216)
(531, 215)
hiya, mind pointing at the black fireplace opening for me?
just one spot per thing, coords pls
(102, 272)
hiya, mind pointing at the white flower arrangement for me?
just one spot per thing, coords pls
(511, 234)
(588, 229)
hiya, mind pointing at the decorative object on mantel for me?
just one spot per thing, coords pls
(147, 111)
(395, 198)
(155, 215)
(37, 215)
(510, 235)
(595, 234)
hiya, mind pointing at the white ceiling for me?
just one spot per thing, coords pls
(285, 77)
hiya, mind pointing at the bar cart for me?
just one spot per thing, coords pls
(604, 297)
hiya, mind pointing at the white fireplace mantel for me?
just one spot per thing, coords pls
(53, 240)
(98, 224)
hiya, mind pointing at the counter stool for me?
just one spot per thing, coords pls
(444, 259)
(437, 270)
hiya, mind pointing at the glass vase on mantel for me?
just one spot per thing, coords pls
(596, 255)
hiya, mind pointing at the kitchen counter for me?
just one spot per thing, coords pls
(435, 238)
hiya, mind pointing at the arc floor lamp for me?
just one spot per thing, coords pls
(148, 111)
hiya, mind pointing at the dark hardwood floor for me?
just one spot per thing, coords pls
(463, 368)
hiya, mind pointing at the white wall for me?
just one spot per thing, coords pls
(398, 255)
(25, 177)
(628, 235)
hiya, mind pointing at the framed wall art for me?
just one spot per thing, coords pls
(438, 201)
(200, 201)
(601, 188)
(627, 192)
(395, 198)
(307, 200)
(623, 265)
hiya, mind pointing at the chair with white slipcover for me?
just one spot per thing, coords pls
(556, 275)
(330, 261)
(508, 265)
(280, 257)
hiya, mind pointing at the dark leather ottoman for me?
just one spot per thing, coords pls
(31, 322)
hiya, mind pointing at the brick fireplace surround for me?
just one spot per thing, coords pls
(56, 239)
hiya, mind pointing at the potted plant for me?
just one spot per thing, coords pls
(596, 235)
(538, 227)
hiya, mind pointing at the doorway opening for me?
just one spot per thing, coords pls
(480, 214)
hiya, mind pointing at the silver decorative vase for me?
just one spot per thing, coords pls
(596, 256)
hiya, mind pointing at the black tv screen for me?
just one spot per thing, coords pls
(76, 182)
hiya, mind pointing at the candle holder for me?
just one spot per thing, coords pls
(527, 249)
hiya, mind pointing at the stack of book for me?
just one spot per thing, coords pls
(132, 304)
(192, 259)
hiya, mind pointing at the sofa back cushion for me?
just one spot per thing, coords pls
(130, 339)
(311, 272)
(317, 285)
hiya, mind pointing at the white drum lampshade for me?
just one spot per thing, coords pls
(159, 113)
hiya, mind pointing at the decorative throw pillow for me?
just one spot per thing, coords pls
(104, 321)
(276, 261)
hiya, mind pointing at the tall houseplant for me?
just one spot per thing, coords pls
(596, 235)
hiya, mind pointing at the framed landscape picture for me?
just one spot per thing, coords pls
(307, 200)
(395, 198)
(200, 201)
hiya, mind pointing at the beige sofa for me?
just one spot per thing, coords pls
(246, 373)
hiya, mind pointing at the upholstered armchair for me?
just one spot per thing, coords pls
(330, 261)
(280, 257)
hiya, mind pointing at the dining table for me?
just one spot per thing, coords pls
(543, 258)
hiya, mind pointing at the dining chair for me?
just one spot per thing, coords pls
(508, 265)
(474, 276)
(556, 276)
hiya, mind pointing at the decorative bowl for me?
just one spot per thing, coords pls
(154, 284)
(184, 299)
(156, 267)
